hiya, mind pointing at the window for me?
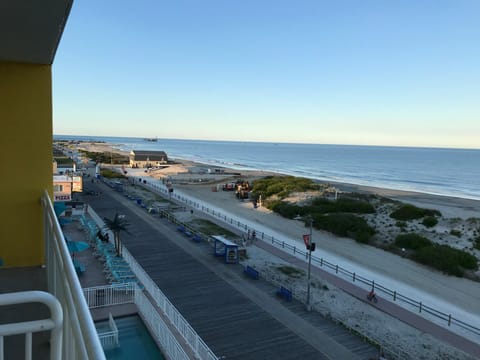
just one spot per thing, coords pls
(57, 188)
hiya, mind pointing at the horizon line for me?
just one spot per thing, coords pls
(439, 147)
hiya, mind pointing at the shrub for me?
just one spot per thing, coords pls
(412, 241)
(473, 221)
(209, 228)
(447, 259)
(411, 212)
(63, 161)
(285, 209)
(401, 224)
(324, 206)
(456, 233)
(363, 236)
(344, 225)
(291, 271)
(466, 260)
(476, 243)
(109, 174)
(429, 221)
(282, 186)
(106, 157)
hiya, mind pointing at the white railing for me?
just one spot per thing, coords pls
(54, 323)
(113, 326)
(110, 295)
(198, 346)
(159, 329)
(80, 339)
(109, 338)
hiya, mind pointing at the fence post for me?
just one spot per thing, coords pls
(336, 269)
(321, 262)
(420, 308)
(294, 248)
(394, 295)
(353, 277)
(283, 244)
(449, 319)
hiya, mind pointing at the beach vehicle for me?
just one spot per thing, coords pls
(229, 187)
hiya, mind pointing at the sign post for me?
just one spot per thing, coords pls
(310, 247)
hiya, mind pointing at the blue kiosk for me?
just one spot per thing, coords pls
(226, 248)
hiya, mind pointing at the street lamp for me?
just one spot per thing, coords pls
(307, 239)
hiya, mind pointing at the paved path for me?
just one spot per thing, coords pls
(237, 317)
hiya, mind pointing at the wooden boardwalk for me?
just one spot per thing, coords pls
(237, 317)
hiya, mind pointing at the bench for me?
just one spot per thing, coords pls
(197, 238)
(254, 274)
(285, 293)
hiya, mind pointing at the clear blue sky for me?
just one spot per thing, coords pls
(334, 72)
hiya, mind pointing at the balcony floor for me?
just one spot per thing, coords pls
(24, 279)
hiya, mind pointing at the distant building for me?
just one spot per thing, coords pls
(65, 185)
(147, 159)
(64, 168)
(62, 188)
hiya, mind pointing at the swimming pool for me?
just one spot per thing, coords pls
(135, 340)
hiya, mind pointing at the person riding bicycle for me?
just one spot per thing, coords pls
(371, 295)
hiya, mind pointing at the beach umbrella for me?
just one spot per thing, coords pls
(59, 208)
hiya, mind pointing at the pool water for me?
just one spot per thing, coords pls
(135, 340)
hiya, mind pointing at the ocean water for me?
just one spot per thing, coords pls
(449, 172)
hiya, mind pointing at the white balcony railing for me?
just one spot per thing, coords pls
(80, 339)
(52, 324)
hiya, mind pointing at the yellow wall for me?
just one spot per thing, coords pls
(26, 150)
